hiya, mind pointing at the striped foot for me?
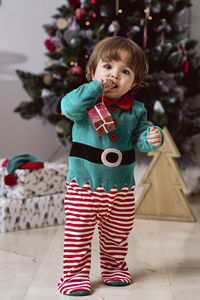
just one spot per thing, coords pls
(74, 286)
(116, 278)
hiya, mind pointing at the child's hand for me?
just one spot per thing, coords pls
(106, 83)
(154, 137)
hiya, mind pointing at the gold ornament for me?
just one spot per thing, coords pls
(47, 79)
(61, 23)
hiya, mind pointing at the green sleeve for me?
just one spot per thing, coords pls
(139, 135)
(75, 104)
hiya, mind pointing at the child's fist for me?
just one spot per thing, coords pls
(106, 83)
(154, 137)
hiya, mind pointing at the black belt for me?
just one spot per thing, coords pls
(110, 157)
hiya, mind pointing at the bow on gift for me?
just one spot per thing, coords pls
(102, 118)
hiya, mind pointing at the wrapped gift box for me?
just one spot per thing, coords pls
(101, 119)
(17, 214)
(33, 183)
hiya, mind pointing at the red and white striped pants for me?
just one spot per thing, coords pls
(114, 213)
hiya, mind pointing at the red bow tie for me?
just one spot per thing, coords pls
(125, 103)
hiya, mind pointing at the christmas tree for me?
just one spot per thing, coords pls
(174, 77)
(162, 197)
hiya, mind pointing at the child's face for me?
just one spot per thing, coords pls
(119, 73)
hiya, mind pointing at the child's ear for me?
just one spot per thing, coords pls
(92, 76)
(133, 84)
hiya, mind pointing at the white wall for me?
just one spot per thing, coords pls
(195, 22)
(22, 46)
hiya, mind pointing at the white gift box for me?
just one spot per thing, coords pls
(17, 214)
(32, 183)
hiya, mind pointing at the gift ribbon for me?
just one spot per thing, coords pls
(104, 123)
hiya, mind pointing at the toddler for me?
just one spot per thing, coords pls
(100, 181)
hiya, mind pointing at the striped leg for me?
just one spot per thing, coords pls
(80, 223)
(114, 228)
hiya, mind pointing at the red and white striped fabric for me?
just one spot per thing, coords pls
(114, 213)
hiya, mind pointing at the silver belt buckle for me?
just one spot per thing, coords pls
(106, 162)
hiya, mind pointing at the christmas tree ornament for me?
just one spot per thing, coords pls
(74, 2)
(114, 27)
(88, 33)
(47, 79)
(72, 30)
(156, 9)
(80, 13)
(170, 8)
(163, 28)
(61, 23)
(94, 1)
(145, 21)
(77, 69)
(45, 93)
(186, 63)
(75, 41)
(50, 45)
(135, 29)
(158, 107)
(103, 11)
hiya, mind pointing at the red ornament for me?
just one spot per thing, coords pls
(94, 15)
(10, 179)
(186, 67)
(80, 13)
(74, 2)
(94, 1)
(77, 69)
(50, 45)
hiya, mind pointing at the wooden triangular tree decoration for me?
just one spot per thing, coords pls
(162, 197)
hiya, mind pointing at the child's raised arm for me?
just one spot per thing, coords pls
(75, 104)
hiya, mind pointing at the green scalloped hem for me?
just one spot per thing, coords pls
(79, 293)
(117, 283)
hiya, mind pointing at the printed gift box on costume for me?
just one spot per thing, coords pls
(31, 193)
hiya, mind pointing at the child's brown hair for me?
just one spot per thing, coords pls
(109, 49)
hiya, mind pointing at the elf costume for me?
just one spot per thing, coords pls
(100, 187)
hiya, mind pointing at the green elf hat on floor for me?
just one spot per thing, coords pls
(23, 161)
